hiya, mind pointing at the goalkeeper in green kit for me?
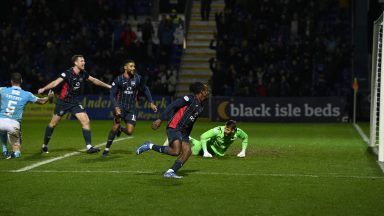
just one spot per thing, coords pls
(217, 140)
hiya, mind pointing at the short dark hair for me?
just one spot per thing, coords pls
(16, 78)
(197, 87)
(75, 57)
(127, 61)
(231, 124)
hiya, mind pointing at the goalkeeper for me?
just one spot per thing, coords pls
(217, 140)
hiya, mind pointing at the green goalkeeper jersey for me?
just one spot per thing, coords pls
(219, 143)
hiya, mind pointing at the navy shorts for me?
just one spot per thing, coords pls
(128, 116)
(62, 108)
(174, 134)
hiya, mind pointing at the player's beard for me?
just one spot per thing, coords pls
(131, 72)
(81, 67)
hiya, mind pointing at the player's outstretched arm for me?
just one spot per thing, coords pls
(98, 82)
(149, 97)
(244, 137)
(208, 135)
(44, 100)
(153, 107)
(51, 85)
(204, 139)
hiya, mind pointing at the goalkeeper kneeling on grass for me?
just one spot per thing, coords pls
(217, 140)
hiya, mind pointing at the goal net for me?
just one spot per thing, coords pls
(376, 140)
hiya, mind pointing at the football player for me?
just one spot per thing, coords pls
(13, 100)
(182, 114)
(73, 81)
(123, 95)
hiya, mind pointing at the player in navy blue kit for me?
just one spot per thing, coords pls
(123, 95)
(68, 100)
(182, 113)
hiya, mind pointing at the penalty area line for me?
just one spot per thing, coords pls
(61, 157)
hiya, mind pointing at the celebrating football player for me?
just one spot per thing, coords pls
(182, 114)
(68, 100)
(123, 95)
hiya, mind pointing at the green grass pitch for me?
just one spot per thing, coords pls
(290, 169)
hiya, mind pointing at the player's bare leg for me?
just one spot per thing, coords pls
(184, 155)
(15, 140)
(173, 149)
(129, 128)
(176, 148)
(186, 151)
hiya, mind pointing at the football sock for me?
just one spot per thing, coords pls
(177, 165)
(111, 137)
(48, 134)
(3, 140)
(87, 136)
(161, 149)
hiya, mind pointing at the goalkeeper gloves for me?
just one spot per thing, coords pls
(241, 154)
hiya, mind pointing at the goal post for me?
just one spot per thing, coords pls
(376, 140)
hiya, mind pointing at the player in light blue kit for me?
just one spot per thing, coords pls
(13, 100)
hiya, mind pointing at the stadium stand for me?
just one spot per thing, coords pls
(38, 37)
(276, 48)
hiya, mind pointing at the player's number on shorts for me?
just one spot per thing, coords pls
(11, 107)
(133, 118)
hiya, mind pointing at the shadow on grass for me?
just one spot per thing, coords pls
(187, 172)
(183, 173)
(159, 180)
(98, 157)
(371, 155)
(121, 152)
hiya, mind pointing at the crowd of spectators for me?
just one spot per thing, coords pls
(38, 38)
(282, 48)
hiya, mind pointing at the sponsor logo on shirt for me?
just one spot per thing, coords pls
(128, 90)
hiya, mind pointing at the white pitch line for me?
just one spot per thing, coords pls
(325, 175)
(362, 134)
(61, 157)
